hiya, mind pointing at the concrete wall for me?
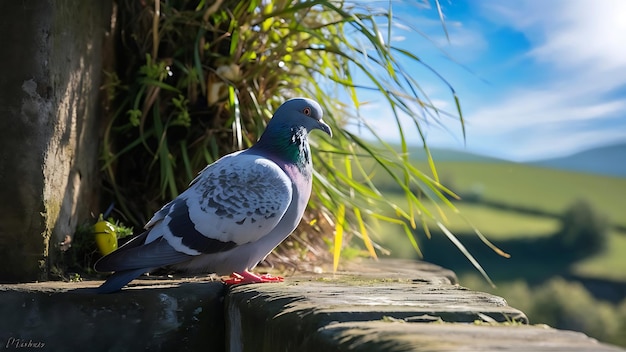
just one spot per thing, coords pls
(49, 89)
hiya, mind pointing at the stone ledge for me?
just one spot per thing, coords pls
(285, 317)
(386, 306)
(390, 305)
(397, 336)
(170, 316)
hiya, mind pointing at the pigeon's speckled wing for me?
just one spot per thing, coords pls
(237, 200)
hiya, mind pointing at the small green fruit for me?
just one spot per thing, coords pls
(106, 238)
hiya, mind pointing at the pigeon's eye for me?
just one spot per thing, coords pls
(307, 111)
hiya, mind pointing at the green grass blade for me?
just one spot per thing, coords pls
(465, 252)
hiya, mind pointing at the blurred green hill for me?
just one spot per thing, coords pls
(607, 160)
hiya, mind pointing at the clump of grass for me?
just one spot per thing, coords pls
(200, 79)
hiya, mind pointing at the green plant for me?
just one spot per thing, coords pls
(201, 79)
(121, 230)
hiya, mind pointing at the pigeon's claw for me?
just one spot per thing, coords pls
(246, 277)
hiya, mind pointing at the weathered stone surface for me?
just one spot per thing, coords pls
(400, 336)
(402, 270)
(51, 60)
(283, 317)
(392, 305)
(155, 316)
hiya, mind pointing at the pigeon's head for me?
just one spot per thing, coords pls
(303, 112)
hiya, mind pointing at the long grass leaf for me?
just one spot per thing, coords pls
(338, 243)
(465, 252)
(366, 239)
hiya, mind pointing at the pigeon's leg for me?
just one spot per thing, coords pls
(246, 277)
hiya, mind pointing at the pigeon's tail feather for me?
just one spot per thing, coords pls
(135, 258)
(138, 256)
(118, 280)
(104, 263)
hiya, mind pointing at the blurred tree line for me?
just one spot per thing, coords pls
(562, 304)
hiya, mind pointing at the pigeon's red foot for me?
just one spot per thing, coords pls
(246, 277)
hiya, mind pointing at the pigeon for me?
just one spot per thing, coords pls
(235, 212)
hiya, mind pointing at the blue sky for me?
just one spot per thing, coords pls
(536, 79)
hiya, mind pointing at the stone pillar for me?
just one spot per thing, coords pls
(49, 103)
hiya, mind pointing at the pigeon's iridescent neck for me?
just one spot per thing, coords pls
(289, 147)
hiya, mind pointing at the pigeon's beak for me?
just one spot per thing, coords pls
(324, 127)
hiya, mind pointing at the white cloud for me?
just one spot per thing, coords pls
(580, 60)
(461, 39)
(570, 36)
(536, 126)
(379, 116)
(540, 144)
(585, 34)
(536, 109)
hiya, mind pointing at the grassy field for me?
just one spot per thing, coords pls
(545, 190)
(541, 188)
(609, 265)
